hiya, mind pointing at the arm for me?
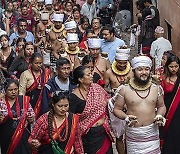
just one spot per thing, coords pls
(7, 26)
(38, 34)
(33, 25)
(76, 63)
(3, 111)
(57, 47)
(22, 84)
(82, 10)
(3, 68)
(106, 79)
(30, 114)
(153, 50)
(142, 32)
(119, 104)
(95, 11)
(108, 65)
(131, 120)
(14, 66)
(98, 4)
(11, 39)
(45, 99)
(161, 108)
(78, 145)
(37, 133)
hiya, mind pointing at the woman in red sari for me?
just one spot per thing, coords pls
(90, 101)
(170, 83)
(16, 119)
(58, 125)
(33, 80)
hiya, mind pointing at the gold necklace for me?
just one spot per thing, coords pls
(72, 52)
(64, 33)
(57, 30)
(139, 88)
(124, 72)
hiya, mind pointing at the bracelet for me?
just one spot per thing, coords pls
(160, 116)
(127, 119)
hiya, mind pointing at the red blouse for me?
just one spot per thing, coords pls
(167, 86)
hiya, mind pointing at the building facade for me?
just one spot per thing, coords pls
(170, 20)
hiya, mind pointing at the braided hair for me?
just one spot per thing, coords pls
(57, 96)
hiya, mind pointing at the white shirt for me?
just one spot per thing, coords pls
(158, 47)
(89, 11)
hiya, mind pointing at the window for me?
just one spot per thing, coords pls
(169, 30)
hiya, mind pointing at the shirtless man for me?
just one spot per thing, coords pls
(119, 73)
(39, 5)
(72, 49)
(101, 64)
(43, 25)
(70, 27)
(55, 36)
(49, 7)
(145, 109)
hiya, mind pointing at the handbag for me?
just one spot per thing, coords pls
(56, 149)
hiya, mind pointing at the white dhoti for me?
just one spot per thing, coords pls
(117, 125)
(143, 140)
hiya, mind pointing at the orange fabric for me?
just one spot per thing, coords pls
(20, 128)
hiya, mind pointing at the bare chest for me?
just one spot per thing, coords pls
(134, 97)
(117, 80)
(100, 67)
(55, 36)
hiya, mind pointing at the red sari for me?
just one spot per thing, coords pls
(40, 132)
(13, 130)
(95, 109)
(172, 126)
(35, 92)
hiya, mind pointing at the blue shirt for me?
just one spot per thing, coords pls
(110, 48)
(29, 37)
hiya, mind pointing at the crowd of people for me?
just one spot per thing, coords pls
(68, 85)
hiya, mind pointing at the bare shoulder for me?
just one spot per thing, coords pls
(155, 86)
(158, 88)
(102, 60)
(50, 33)
(130, 74)
(122, 89)
(109, 72)
(75, 91)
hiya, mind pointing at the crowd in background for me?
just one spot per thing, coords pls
(63, 69)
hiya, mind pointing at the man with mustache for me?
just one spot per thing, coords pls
(110, 42)
(101, 64)
(145, 109)
(119, 73)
